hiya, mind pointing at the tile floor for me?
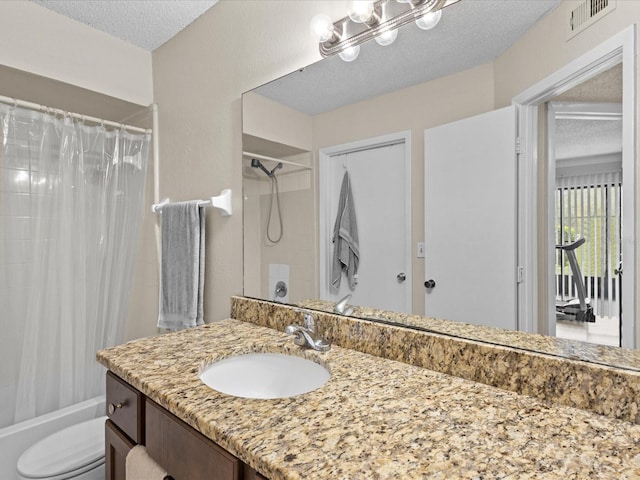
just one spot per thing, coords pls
(604, 331)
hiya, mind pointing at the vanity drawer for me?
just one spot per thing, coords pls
(125, 407)
(171, 442)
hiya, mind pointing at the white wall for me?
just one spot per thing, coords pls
(37, 40)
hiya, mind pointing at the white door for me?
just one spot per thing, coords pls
(379, 181)
(470, 220)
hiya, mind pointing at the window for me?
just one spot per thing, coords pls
(589, 206)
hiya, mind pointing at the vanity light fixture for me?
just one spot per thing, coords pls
(429, 20)
(349, 54)
(368, 19)
(362, 11)
(387, 37)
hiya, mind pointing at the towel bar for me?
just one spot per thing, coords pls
(222, 201)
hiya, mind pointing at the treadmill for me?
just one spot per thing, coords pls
(576, 309)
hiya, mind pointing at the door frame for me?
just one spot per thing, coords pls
(567, 111)
(325, 223)
(619, 48)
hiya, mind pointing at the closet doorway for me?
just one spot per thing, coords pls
(380, 173)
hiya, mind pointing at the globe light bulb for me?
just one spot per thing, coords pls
(387, 37)
(321, 27)
(429, 20)
(361, 11)
(349, 54)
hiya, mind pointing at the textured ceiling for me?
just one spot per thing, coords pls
(470, 33)
(605, 87)
(144, 23)
(590, 138)
(587, 138)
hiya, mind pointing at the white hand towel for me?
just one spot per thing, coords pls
(182, 275)
(140, 466)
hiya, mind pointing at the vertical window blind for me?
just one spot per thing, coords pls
(590, 206)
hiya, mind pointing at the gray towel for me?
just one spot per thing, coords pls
(182, 276)
(346, 251)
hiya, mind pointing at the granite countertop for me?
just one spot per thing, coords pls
(375, 418)
(623, 358)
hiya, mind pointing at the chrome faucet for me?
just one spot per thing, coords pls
(341, 306)
(306, 335)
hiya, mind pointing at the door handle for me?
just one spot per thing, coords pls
(401, 277)
(618, 271)
(430, 283)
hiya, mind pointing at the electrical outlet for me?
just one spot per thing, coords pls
(420, 249)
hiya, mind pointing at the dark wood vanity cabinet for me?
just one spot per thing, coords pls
(125, 427)
(117, 446)
(182, 451)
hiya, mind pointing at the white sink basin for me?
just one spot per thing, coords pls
(264, 375)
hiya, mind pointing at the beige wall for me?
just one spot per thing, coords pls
(199, 77)
(265, 118)
(544, 50)
(36, 40)
(415, 108)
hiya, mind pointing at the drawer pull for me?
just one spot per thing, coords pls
(113, 407)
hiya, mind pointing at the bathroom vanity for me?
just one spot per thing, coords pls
(182, 451)
(374, 418)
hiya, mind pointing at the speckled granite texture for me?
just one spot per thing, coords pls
(572, 349)
(375, 418)
(609, 391)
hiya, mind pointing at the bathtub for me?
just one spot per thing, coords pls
(17, 438)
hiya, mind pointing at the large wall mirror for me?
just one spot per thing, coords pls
(358, 138)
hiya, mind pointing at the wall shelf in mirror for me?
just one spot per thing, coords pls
(287, 165)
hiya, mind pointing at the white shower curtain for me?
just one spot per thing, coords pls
(69, 222)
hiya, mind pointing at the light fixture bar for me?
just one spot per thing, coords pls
(390, 15)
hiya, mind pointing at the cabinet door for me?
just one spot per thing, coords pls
(183, 452)
(251, 474)
(117, 446)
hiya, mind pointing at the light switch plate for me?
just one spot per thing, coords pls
(420, 250)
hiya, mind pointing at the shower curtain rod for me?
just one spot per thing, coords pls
(57, 111)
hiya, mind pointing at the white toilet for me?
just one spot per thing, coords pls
(76, 452)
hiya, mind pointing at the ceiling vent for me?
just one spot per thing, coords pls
(585, 13)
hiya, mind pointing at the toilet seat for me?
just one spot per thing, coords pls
(65, 454)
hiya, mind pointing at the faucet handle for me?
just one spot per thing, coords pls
(341, 306)
(309, 319)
